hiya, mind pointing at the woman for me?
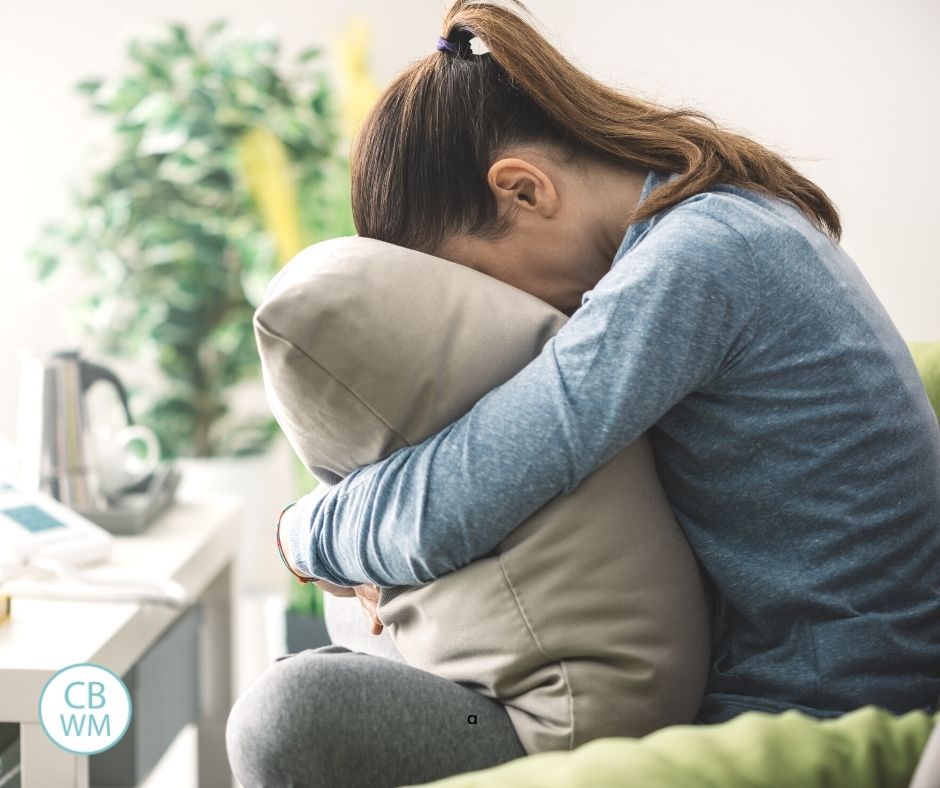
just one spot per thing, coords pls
(710, 305)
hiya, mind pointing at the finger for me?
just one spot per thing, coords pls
(333, 589)
(369, 592)
(372, 617)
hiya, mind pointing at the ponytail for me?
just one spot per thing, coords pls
(420, 160)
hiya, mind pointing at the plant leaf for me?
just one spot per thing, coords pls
(89, 86)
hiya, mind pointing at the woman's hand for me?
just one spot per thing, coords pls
(335, 590)
(368, 597)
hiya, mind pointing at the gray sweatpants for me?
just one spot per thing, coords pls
(341, 718)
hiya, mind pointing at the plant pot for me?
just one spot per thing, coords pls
(266, 484)
(304, 631)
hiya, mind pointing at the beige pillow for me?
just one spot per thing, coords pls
(591, 619)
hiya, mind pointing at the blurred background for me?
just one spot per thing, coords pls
(162, 161)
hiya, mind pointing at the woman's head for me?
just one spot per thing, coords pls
(465, 154)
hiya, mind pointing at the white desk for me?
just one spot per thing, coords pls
(193, 543)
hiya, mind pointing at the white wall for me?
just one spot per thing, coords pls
(847, 87)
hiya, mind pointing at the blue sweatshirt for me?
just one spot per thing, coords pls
(791, 432)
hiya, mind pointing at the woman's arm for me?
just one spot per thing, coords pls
(653, 329)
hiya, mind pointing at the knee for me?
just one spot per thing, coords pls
(249, 737)
(264, 727)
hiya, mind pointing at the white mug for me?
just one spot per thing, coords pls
(119, 466)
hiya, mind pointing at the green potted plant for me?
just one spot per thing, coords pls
(222, 165)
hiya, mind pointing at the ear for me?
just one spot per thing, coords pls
(519, 185)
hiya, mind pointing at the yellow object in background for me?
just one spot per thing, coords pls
(4, 607)
(268, 172)
(264, 159)
(359, 89)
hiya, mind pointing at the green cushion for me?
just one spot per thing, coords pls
(927, 357)
(867, 748)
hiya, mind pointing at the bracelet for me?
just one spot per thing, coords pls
(280, 549)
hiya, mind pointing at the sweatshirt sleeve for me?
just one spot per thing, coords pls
(658, 325)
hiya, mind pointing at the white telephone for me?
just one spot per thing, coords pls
(35, 525)
(37, 532)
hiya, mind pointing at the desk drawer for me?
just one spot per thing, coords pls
(164, 692)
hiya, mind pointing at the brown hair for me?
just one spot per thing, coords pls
(420, 160)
